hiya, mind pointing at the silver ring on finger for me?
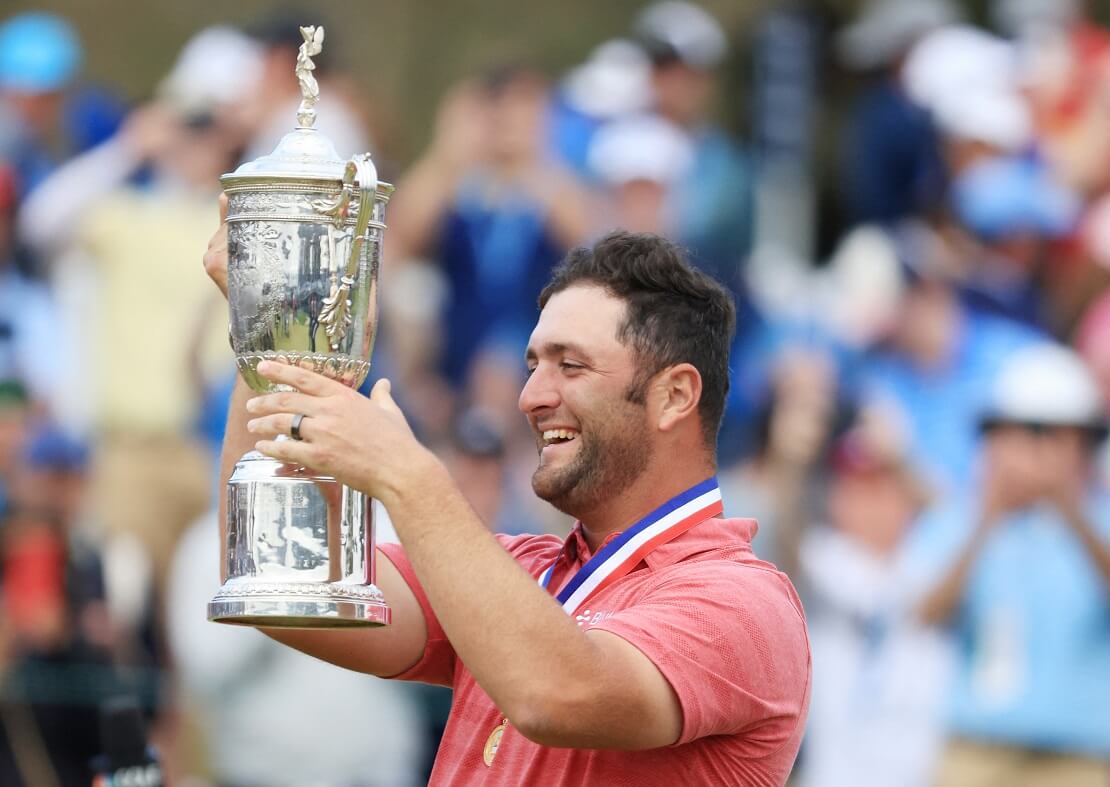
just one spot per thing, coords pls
(295, 427)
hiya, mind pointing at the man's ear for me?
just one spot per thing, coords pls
(675, 394)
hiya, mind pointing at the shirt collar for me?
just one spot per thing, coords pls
(711, 534)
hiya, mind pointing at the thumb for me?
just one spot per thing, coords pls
(381, 395)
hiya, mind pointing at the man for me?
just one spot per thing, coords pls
(693, 655)
(1021, 575)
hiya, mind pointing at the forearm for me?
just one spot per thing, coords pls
(569, 213)
(940, 603)
(423, 196)
(1095, 546)
(788, 487)
(515, 639)
(383, 651)
(52, 210)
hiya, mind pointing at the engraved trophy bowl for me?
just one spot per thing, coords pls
(304, 245)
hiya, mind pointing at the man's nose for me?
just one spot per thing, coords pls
(539, 392)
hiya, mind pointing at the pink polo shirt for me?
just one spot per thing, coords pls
(725, 628)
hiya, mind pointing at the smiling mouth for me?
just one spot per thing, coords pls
(558, 436)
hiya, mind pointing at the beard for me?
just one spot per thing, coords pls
(612, 452)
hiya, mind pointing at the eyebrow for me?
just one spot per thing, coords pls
(557, 348)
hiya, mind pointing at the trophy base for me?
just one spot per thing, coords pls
(299, 606)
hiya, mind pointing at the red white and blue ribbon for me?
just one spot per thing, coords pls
(670, 520)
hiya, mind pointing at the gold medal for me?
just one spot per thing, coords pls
(493, 743)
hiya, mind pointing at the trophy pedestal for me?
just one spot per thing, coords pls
(299, 551)
(299, 605)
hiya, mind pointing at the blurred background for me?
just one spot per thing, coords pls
(909, 200)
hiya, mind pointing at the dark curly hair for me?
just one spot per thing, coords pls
(675, 313)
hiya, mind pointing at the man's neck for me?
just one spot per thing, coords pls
(643, 496)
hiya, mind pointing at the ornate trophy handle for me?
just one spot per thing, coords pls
(335, 315)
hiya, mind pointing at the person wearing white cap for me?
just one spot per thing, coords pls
(123, 256)
(1022, 580)
(640, 160)
(713, 199)
(612, 84)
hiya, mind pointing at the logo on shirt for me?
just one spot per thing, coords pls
(588, 618)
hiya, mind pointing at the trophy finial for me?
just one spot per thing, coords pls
(310, 89)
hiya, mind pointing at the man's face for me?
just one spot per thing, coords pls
(683, 94)
(593, 442)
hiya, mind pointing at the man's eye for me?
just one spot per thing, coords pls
(570, 366)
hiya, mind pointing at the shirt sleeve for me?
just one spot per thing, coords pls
(437, 665)
(732, 643)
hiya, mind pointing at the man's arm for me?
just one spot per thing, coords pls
(426, 192)
(52, 212)
(385, 651)
(555, 683)
(1094, 544)
(939, 604)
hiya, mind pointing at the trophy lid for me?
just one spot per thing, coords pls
(304, 152)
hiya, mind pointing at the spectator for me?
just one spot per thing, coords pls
(712, 202)
(495, 216)
(31, 347)
(611, 84)
(937, 359)
(778, 485)
(640, 161)
(57, 638)
(1016, 211)
(1020, 574)
(893, 168)
(44, 118)
(141, 242)
(879, 674)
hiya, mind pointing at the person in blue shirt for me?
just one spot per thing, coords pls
(45, 116)
(938, 358)
(495, 215)
(1019, 572)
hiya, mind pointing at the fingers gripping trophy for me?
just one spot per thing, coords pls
(304, 245)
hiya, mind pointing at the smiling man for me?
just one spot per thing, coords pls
(649, 647)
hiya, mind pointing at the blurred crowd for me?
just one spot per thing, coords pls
(917, 418)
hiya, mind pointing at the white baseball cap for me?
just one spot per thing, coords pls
(216, 67)
(645, 147)
(684, 30)
(1045, 384)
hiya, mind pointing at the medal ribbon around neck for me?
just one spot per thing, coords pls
(682, 512)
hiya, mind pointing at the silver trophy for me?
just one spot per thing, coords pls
(304, 244)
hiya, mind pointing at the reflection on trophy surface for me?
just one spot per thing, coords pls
(304, 245)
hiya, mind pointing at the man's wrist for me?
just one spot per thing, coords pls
(423, 471)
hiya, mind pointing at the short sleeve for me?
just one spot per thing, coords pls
(437, 665)
(731, 641)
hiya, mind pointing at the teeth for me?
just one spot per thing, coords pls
(558, 434)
